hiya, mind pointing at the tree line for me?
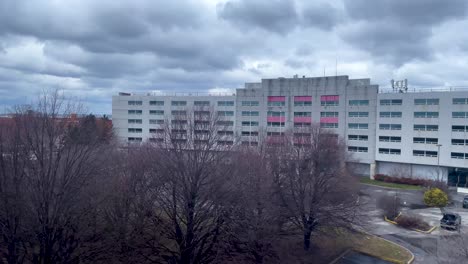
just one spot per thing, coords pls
(71, 193)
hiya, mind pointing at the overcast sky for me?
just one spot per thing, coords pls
(93, 49)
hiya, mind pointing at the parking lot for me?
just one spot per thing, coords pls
(441, 246)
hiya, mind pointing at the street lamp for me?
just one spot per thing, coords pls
(438, 160)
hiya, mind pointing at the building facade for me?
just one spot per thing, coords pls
(416, 134)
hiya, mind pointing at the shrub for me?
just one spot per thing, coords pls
(390, 205)
(409, 181)
(435, 197)
(412, 222)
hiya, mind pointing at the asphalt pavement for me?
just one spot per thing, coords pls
(441, 246)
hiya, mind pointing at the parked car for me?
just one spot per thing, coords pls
(465, 202)
(451, 221)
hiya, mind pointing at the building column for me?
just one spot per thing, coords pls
(372, 170)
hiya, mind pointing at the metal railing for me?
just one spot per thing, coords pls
(426, 89)
(177, 94)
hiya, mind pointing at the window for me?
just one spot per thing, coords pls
(390, 114)
(357, 149)
(154, 130)
(459, 114)
(135, 121)
(275, 124)
(424, 153)
(249, 123)
(275, 113)
(459, 142)
(225, 142)
(135, 102)
(275, 134)
(201, 103)
(225, 133)
(391, 102)
(460, 128)
(300, 124)
(178, 103)
(225, 113)
(250, 113)
(283, 103)
(249, 133)
(329, 125)
(250, 103)
(156, 112)
(200, 114)
(390, 126)
(328, 114)
(457, 155)
(225, 103)
(303, 103)
(426, 127)
(389, 151)
(358, 137)
(329, 100)
(358, 126)
(224, 123)
(178, 112)
(178, 122)
(420, 140)
(358, 102)
(157, 103)
(135, 139)
(433, 101)
(135, 130)
(135, 112)
(426, 114)
(358, 114)
(156, 121)
(460, 101)
(302, 114)
(389, 139)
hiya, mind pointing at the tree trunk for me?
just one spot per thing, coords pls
(307, 234)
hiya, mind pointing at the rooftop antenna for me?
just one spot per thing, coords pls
(336, 67)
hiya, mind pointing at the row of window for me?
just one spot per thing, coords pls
(459, 155)
(429, 101)
(184, 103)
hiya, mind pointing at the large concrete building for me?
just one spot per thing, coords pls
(417, 134)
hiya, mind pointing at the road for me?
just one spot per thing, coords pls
(441, 246)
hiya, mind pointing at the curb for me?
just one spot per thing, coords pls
(392, 260)
(390, 188)
(414, 229)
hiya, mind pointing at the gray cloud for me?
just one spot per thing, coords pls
(270, 15)
(94, 49)
(398, 31)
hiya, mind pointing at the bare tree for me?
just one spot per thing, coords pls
(256, 216)
(51, 172)
(312, 181)
(192, 157)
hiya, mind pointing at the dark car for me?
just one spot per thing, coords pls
(451, 221)
(465, 202)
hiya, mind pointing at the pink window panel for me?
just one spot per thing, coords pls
(276, 98)
(303, 119)
(329, 120)
(302, 98)
(329, 98)
(276, 119)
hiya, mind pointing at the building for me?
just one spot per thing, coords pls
(416, 134)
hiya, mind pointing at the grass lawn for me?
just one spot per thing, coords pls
(388, 184)
(378, 247)
(338, 241)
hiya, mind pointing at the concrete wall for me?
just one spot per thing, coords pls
(412, 170)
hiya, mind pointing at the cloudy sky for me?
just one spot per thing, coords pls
(94, 49)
